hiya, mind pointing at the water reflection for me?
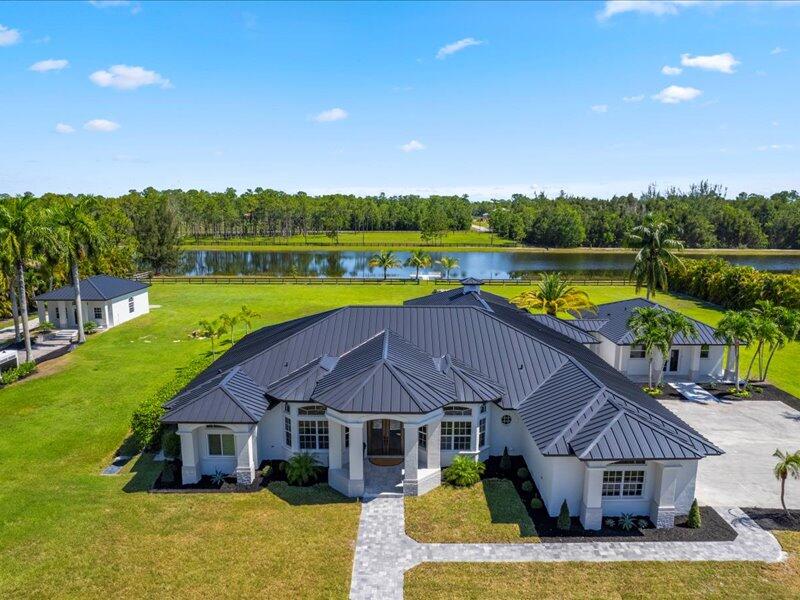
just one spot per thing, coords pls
(476, 264)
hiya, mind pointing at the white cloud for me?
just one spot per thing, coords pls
(658, 8)
(64, 128)
(769, 147)
(667, 70)
(51, 64)
(123, 77)
(600, 108)
(636, 98)
(333, 114)
(136, 7)
(449, 49)
(777, 50)
(412, 146)
(724, 63)
(674, 94)
(9, 37)
(103, 125)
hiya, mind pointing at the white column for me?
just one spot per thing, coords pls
(662, 504)
(108, 315)
(730, 364)
(62, 315)
(245, 455)
(694, 367)
(190, 454)
(357, 453)
(592, 500)
(40, 306)
(411, 431)
(334, 445)
(433, 449)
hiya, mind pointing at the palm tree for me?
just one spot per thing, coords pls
(246, 316)
(654, 256)
(766, 332)
(385, 260)
(554, 294)
(736, 330)
(7, 274)
(788, 465)
(419, 259)
(647, 324)
(228, 323)
(448, 264)
(675, 324)
(80, 238)
(211, 330)
(24, 227)
(789, 323)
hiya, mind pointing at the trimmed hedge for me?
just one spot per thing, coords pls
(20, 372)
(146, 419)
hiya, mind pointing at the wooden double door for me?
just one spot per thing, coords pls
(385, 438)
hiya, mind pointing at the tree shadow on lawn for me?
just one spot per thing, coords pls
(145, 471)
(320, 493)
(505, 506)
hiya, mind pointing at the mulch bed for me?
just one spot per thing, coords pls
(713, 529)
(758, 391)
(774, 519)
(229, 485)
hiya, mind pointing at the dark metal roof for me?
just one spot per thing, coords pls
(471, 281)
(616, 315)
(96, 288)
(590, 325)
(387, 362)
(564, 328)
(460, 297)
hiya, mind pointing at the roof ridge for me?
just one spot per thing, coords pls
(600, 434)
(400, 375)
(589, 406)
(223, 385)
(667, 434)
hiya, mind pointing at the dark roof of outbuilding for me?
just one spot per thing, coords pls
(387, 362)
(95, 288)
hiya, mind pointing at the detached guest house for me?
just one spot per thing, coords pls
(461, 372)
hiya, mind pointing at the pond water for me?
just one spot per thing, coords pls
(485, 265)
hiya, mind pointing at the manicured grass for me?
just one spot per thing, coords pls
(490, 511)
(701, 580)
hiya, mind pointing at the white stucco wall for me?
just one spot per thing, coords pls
(112, 312)
(119, 307)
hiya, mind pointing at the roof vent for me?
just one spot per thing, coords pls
(472, 285)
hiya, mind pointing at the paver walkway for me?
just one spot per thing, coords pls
(693, 392)
(384, 552)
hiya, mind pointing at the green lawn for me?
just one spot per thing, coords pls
(490, 511)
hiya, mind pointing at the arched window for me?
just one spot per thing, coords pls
(313, 410)
(457, 411)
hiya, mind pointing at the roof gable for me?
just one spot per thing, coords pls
(95, 288)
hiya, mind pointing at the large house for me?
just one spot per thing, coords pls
(462, 372)
(106, 300)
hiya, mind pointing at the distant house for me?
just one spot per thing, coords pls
(106, 300)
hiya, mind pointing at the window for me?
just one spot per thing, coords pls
(637, 351)
(98, 313)
(456, 435)
(313, 435)
(287, 408)
(457, 411)
(130, 305)
(346, 437)
(704, 350)
(422, 436)
(482, 433)
(58, 314)
(623, 483)
(483, 408)
(505, 419)
(316, 409)
(221, 444)
(287, 430)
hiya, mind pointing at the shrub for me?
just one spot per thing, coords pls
(505, 460)
(536, 503)
(610, 523)
(168, 472)
(266, 471)
(45, 327)
(626, 522)
(742, 393)
(527, 485)
(20, 372)
(564, 523)
(655, 392)
(522, 473)
(301, 469)
(643, 523)
(89, 327)
(464, 471)
(694, 521)
(146, 418)
(171, 444)
(218, 478)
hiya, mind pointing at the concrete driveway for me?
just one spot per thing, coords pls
(749, 432)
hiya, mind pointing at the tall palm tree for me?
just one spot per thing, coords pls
(419, 259)
(385, 260)
(675, 324)
(554, 294)
(80, 238)
(7, 273)
(24, 227)
(647, 325)
(229, 323)
(448, 264)
(736, 330)
(788, 465)
(766, 332)
(654, 256)
(211, 330)
(246, 316)
(789, 323)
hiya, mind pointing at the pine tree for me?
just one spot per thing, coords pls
(694, 521)
(564, 523)
(505, 461)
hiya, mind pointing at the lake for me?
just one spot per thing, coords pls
(497, 265)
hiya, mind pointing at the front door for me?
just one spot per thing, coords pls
(385, 438)
(672, 364)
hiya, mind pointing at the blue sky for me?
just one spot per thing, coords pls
(484, 99)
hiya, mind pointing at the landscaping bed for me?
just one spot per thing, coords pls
(774, 519)
(713, 529)
(758, 391)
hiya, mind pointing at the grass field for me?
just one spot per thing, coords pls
(490, 511)
(65, 531)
